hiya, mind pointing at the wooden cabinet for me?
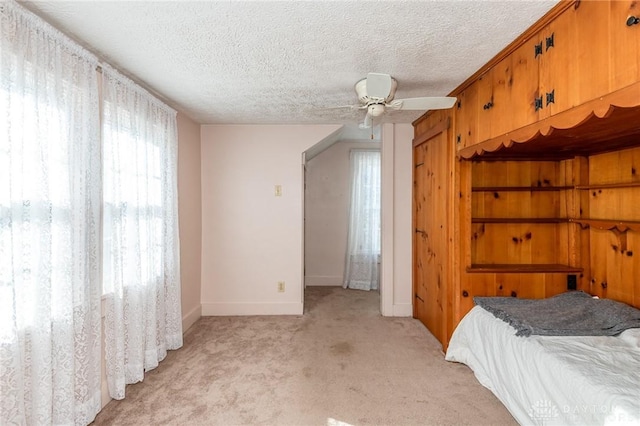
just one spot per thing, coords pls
(587, 51)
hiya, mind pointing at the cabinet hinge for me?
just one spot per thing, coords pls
(551, 97)
(538, 49)
(549, 42)
(538, 103)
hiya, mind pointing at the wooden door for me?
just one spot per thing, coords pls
(431, 248)
(624, 44)
(499, 110)
(485, 105)
(558, 62)
(524, 84)
(466, 117)
(592, 49)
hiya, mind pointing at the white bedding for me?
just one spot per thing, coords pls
(552, 380)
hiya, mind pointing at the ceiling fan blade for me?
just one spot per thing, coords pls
(423, 103)
(378, 85)
(352, 107)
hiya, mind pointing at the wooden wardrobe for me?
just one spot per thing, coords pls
(530, 185)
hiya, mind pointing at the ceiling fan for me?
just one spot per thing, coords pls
(376, 91)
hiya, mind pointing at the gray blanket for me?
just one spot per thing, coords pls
(568, 314)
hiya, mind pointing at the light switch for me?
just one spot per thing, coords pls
(278, 191)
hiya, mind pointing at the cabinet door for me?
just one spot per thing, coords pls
(558, 61)
(466, 118)
(524, 84)
(624, 44)
(592, 49)
(485, 102)
(499, 110)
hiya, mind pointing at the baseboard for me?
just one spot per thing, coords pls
(323, 280)
(191, 317)
(235, 309)
(403, 310)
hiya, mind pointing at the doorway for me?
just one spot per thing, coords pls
(326, 212)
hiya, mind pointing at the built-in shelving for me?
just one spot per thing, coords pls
(609, 186)
(518, 220)
(522, 268)
(519, 188)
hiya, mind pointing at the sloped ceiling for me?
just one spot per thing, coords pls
(288, 62)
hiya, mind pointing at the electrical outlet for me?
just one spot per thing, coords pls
(572, 282)
(280, 286)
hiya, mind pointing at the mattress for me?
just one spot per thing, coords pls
(552, 380)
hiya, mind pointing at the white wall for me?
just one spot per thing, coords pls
(396, 285)
(402, 223)
(327, 213)
(252, 239)
(190, 216)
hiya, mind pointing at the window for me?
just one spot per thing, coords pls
(132, 204)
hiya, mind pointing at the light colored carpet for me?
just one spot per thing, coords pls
(341, 363)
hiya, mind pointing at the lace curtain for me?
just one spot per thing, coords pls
(141, 248)
(49, 225)
(363, 243)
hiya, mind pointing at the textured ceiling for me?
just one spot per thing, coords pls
(287, 62)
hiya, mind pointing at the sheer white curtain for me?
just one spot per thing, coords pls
(363, 244)
(49, 225)
(141, 248)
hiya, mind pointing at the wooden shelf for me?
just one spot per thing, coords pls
(522, 268)
(518, 220)
(519, 188)
(609, 186)
(609, 224)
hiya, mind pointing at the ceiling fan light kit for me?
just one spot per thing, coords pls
(376, 92)
(361, 90)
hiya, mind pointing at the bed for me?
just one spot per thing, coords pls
(552, 380)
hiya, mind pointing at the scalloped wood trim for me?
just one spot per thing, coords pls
(601, 108)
